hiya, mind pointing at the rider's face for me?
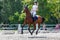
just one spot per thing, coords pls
(35, 3)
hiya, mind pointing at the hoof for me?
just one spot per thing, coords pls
(45, 29)
(31, 33)
(36, 33)
(21, 32)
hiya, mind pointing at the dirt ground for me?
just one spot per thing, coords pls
(42, 35)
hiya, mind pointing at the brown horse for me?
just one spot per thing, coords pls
(29, 20)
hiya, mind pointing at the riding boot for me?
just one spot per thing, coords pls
(34, 20)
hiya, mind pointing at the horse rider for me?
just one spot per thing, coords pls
(34, 10)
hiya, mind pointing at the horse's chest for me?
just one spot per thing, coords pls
(29, 21)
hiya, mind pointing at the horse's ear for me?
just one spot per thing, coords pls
(26, 6)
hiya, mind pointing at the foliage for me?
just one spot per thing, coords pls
(22, 17)
(17, 18)
(11, 10)
(14, 18)
(48, 8)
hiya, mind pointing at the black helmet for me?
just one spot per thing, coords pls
(35, 1)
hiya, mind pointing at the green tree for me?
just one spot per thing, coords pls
(48, 8)
(1, 7)
(9, 8)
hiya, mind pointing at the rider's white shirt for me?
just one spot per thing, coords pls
(33, 11)
(34, 8)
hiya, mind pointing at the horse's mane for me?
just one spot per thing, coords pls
(28, 10)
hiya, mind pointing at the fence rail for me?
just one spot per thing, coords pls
(15, 26)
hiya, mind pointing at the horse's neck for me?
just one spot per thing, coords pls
(28, 14)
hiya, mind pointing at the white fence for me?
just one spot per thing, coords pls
(16, 26)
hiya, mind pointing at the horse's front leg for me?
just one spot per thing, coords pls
(29, 29)
(22, 27)
(34, 28)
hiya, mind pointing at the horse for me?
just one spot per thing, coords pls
(29, 20)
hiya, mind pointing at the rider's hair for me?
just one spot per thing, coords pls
(36, 2)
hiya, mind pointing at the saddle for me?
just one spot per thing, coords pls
(34, 18)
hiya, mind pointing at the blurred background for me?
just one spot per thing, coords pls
(11, 11)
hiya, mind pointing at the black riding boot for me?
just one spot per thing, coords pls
(34, 19)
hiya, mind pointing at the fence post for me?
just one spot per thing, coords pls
(36, 26)
(44, 27)
(19, 28)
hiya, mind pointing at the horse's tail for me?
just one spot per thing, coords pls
(43, 19)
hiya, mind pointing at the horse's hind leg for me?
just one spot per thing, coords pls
(38, 28)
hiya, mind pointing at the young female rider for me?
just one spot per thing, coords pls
(34, 9)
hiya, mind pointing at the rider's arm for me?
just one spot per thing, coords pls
(37, 8)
